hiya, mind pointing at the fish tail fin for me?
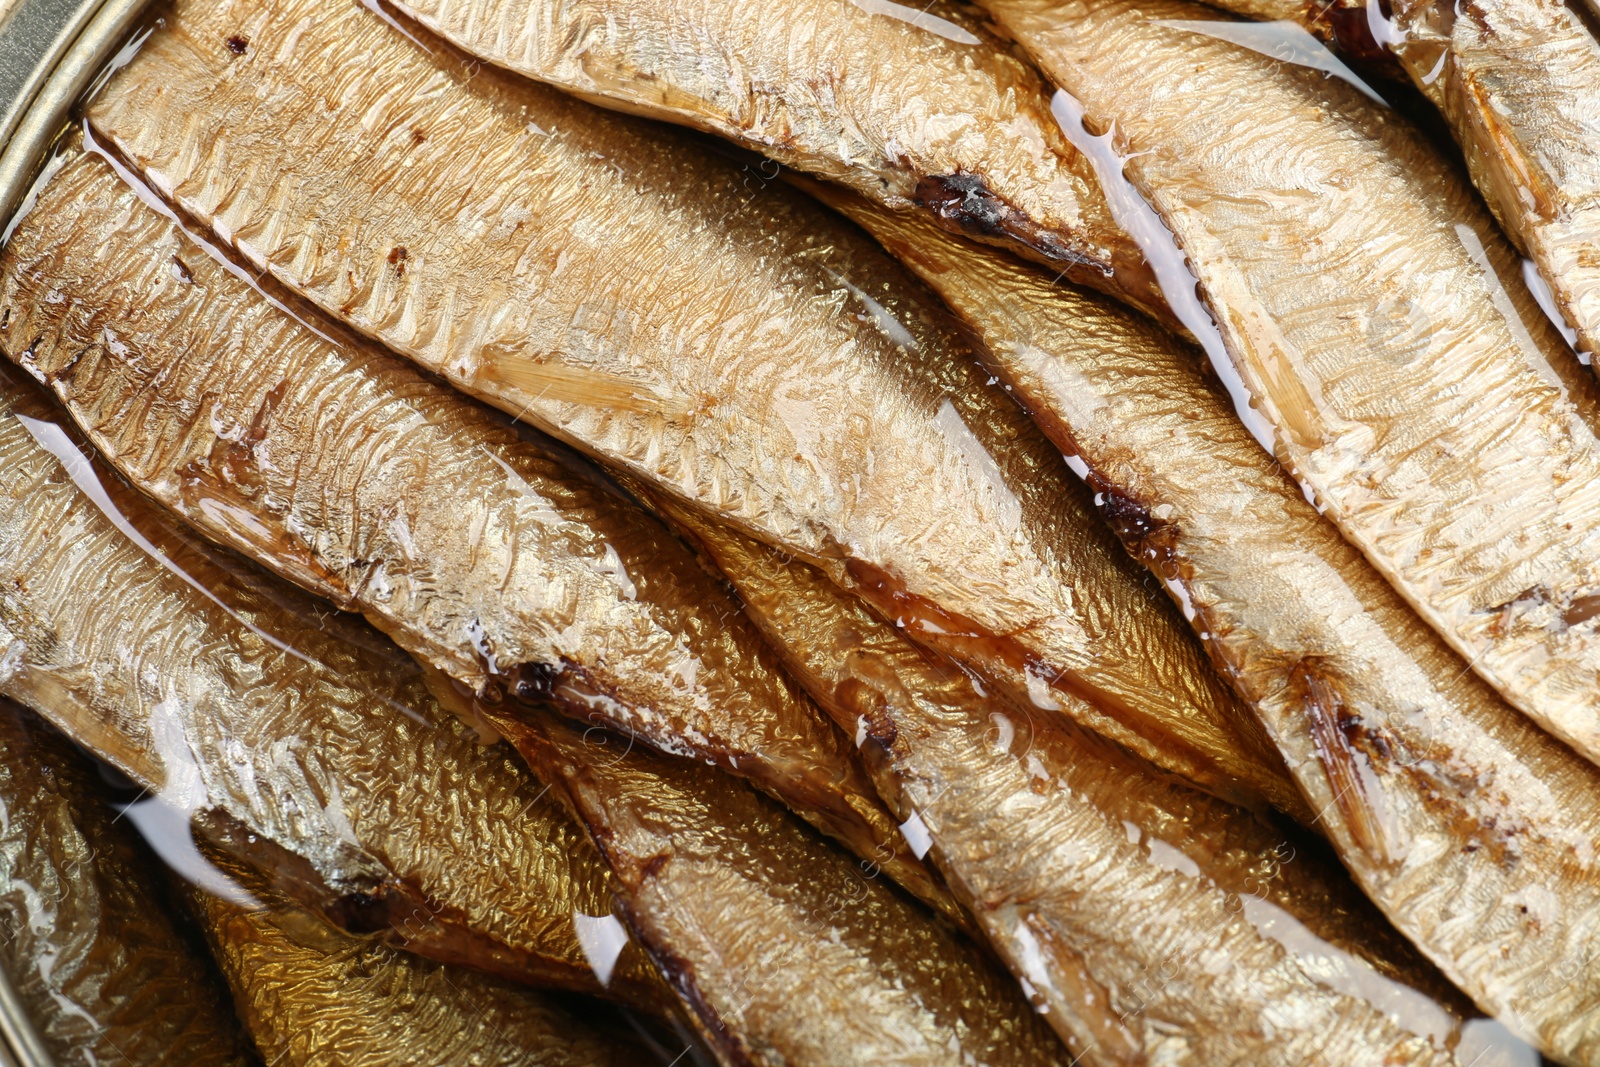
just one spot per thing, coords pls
(1356, 791)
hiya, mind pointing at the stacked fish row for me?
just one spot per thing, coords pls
(795, 611)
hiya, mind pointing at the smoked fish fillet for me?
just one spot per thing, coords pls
(790, 954)
(323, 761)
(313, 995)
(512, 568)
(624, 290)
(1373, 329)
(1092, 873)
(91, 939)
(1466, 824)
(918, 107)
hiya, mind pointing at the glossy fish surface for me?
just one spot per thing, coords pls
(322, 761)
(790, 952)
(758, 358)
(1092, 873)
(1377, 335)
(315, 996)
(1453, 812)
(89, 941)
(1519, 81)
(916, 106)
(508, 566)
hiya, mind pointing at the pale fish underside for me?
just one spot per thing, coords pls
(1471, 828)
(758, 358)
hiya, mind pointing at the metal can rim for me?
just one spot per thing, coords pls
(50, 53)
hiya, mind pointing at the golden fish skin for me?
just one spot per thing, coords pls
(757, 357)
(917, 107)
(1091, 872)
(510, 567)
(1456, 815)
(1519, 82)
(791, 953)
(1375, 318)
(88, 940)
(315, 996)
(1270, 10)
(292, 747)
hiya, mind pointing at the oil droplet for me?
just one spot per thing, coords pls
(1284, 40)
(915, 831)
(1384, 30)
(602, 939)
(1547, 304)
(165, 820)
(919, 18)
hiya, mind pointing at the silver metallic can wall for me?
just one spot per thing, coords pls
(50, 51)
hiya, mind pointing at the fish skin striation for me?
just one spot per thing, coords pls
(758, 358)
(1148, 921)
(511, 568)
(91, 943)
(1373, 317)
(322, 760)
(1462, 820)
